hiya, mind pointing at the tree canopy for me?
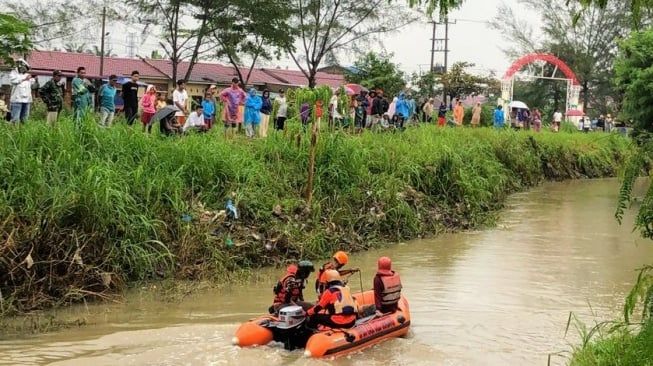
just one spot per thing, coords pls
(458, 82)
(326, 26)
(252, 29)
(588, 47)
(374, 70)
(15, 37)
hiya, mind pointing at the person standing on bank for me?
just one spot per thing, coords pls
(107, 96)
(82, 94)
(180, 100)
(21, 91)
(266, 110)
(52, 96)
(148, 103)
(282, 111)
(476, 115)
(130, 95)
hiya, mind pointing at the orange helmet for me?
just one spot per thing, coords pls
(291, 270)
(332, 275)
(341, 257)
(385, 264)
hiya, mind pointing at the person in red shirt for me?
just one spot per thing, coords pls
(336, 308)
(387, 287)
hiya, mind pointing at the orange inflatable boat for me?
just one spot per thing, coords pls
(289, 328)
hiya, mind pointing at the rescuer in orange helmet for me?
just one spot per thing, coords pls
(339, 260)
(336, 308)
(387, 287)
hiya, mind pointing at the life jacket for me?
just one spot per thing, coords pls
(391, 289)
(345, 303)
(280, 290)
(320, 281)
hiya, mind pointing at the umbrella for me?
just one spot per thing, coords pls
(356, 88)
(164, 113)
(349, 91)
(518, 104)
(575, 113)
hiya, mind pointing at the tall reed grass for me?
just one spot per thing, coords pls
(85, 211)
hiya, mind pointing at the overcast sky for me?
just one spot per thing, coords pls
(471, 39)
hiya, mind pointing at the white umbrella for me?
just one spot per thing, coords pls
(518, 104)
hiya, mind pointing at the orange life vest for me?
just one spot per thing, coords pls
(391, 289)
(345, 303)
(281, 291)
(320, 281)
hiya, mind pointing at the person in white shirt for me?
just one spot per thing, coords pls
(282, 111)
(180, 101)
(557, 120)
(334, 114)
(196, 120)
(21, 91)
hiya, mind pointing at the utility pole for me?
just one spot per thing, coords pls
(104, 16)
(433, 47)
(446, 54)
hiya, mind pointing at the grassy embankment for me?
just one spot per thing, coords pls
(622, 347)
(83, 213)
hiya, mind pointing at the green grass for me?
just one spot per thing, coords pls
(620, 348)
(96, 209)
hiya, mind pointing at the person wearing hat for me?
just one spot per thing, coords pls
(337, 308)
(387, 287)
(339, 260)
(290, 288)
(52, 95)
(21, 91)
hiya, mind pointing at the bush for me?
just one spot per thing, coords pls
(87, 210)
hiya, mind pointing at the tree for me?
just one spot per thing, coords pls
(427, 84)
(588, 47)
(443, 6)
(640, 9)
(57, 22)
(459, 83)
(377, 71)
(326, 26)
(179, 42)
(257, 29)
(634, 78)
(15, 37)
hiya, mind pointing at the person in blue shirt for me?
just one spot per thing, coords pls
(402, 109)
(499, 117)
(107, 96)
(208, 105)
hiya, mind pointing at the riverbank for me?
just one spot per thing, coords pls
(622, 347)
(87, 213)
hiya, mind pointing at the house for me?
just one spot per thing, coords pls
(159, 73)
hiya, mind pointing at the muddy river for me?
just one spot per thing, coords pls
(492, 297)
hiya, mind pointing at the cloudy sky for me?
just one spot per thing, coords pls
(471, 39)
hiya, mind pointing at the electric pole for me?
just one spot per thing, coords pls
(433, 47)
(104, 16)
(446, 54)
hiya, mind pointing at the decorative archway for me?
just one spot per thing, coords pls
(573, 86)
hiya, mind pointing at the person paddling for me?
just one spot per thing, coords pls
(339, 260)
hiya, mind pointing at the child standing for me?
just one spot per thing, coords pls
(208, 105)
(148, 103)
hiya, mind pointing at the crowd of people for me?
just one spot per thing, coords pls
(247, 111)
(335, 307)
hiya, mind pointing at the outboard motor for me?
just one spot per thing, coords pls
(289, 329)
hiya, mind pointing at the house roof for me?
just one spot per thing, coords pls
(69, 62)
(296, 77)
(203, 72)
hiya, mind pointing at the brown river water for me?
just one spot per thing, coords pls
(492, 297)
